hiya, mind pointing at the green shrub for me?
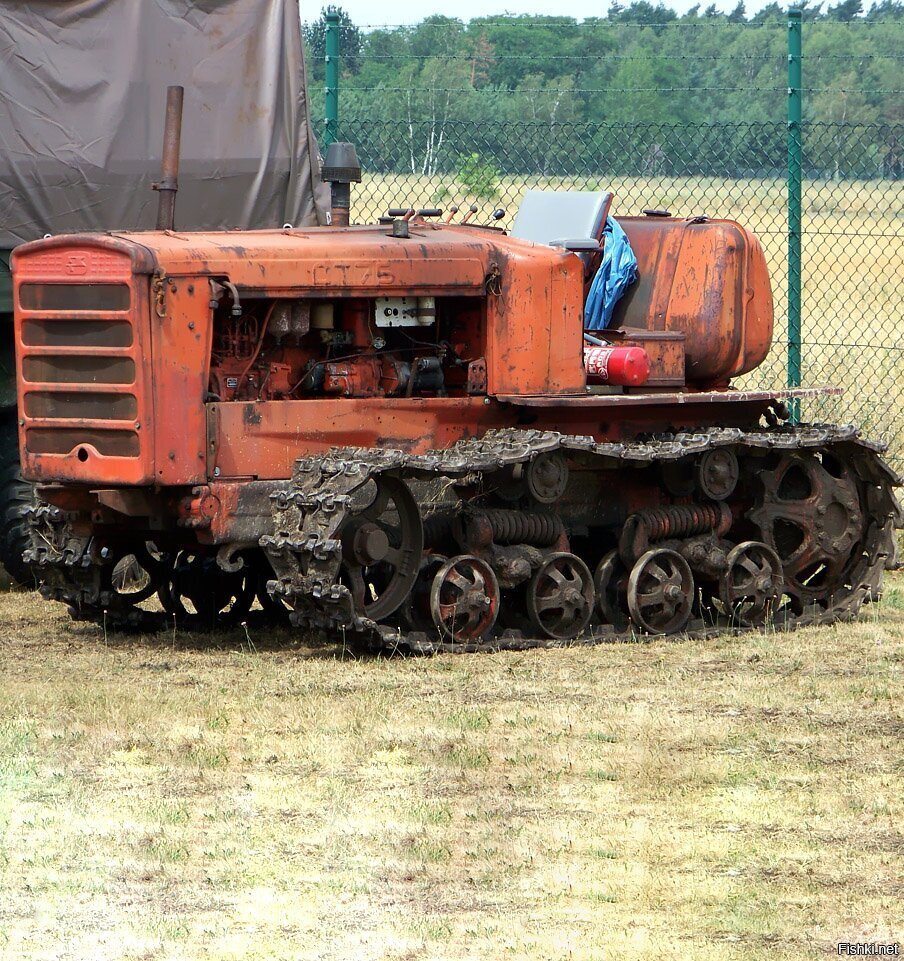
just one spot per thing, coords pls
(478, 176)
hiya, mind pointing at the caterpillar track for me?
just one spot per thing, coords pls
(488, 545)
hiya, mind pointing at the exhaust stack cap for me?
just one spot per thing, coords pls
(341, 164)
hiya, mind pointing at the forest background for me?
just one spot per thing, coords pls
(640, 64)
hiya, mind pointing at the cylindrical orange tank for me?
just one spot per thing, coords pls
(708, 279)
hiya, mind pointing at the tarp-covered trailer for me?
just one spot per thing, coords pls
(81, 120)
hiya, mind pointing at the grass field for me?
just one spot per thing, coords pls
(251, 797)
(853, 263)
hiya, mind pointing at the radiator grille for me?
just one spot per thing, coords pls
(63, 440)
(78, 370)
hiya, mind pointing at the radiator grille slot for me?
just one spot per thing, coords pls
(74, 296)
(77, 369)
(65, 332)
(64, 440)
(87, 406)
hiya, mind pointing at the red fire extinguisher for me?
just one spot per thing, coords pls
(618, 366)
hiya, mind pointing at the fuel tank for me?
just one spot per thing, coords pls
(708, 280)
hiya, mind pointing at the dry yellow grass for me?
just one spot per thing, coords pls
(256, 798)
(853, 264)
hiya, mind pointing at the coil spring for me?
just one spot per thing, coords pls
(521, 527)
(438, 528)
(683, 520)
(658, 523)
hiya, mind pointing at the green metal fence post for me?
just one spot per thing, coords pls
(795, 164)
(331, 90)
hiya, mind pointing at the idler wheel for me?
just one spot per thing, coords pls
(661, 592)
(381, 550)
(610, 579)
(751, 587)
(464, 599)
(560, 597)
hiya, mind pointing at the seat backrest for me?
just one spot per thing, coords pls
(546, 216)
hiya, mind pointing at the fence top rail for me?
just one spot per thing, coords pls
(602, 125)
(546, 23)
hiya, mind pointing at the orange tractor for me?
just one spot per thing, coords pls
(404, 429)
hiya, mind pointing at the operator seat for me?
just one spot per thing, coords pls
(573, 219)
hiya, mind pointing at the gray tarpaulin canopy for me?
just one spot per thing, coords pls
(82, 94)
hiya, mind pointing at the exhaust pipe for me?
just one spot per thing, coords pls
(169, 181)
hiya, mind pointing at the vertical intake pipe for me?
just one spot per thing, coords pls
(169, 181)
(340, 170)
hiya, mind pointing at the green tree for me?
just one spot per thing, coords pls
(635, 96)
(845, 11)
(554, 95)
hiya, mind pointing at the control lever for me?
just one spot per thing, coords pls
(453, 210)
(408, 213)
(473, 210)
(580, 245)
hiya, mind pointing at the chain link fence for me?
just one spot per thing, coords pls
(452, 114)
(852, 251)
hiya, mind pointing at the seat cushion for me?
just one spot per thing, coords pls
(548, 215)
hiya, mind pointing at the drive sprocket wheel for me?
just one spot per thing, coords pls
(560, 597)
(811, 515)
(751, 586)
(382, 545)
(661, 592)
(464, 599)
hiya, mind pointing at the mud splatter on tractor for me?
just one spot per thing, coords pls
(390, 428)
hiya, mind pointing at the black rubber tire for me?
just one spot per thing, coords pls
(16, 495)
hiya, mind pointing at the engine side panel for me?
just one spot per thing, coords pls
(535, 324)
(181, 351)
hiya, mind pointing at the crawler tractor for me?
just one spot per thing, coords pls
(402, 429)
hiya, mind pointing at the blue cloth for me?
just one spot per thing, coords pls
(617, 272)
